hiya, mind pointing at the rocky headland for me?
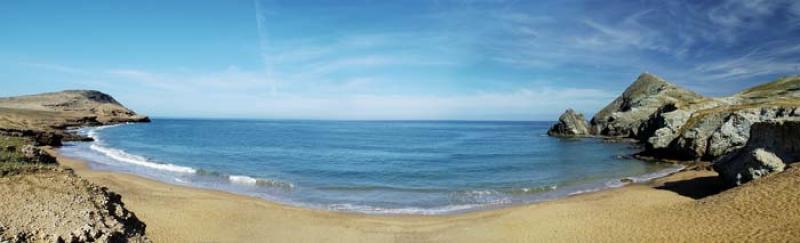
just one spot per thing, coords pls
(43, 202)
(737, 134)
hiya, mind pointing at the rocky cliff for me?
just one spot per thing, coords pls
(677, 124)
(47, 116)
(629, 114)
(73, 107)
(42, 202)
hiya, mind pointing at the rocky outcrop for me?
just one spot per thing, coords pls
(34, 154)
(675, 123)
(628, 114)
(54, 205)
(46, 118)
(40, 138)
(570, 124)
(42, 203)
(712, 133)
(73, 108)
(770, 147)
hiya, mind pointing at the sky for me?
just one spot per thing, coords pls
(389, 60)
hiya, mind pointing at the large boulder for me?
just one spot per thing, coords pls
(570, 124)
(771, 145)
(712, 133)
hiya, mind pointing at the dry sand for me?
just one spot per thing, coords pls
(767, 210)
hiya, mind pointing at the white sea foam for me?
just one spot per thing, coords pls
(244, 180)
(250, 181)
(92, 132)
(122, 156)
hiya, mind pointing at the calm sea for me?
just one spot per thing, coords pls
(382, 167)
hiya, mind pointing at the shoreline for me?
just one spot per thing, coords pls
(545, 196)
(175, 213)
(648, 179)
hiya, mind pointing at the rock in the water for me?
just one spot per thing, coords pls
(770, 145)
(570, 124)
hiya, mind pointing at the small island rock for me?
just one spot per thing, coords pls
(570, 124)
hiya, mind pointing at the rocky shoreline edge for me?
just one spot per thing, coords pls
(743, 137)
(43, 202)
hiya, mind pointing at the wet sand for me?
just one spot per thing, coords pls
(765, 210)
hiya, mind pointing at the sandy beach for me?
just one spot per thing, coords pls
(758, 211)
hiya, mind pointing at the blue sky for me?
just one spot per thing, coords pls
(471, 60)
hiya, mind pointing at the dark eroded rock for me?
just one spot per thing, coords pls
(37, 155)
(570, 124)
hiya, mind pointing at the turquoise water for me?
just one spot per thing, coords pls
(383, 167)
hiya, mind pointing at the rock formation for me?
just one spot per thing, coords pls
(628, 114)
(570, 124)
(75, 107)
(36, 155)
(48, 204)
(43, 203)
(771, 146)
(677, 124)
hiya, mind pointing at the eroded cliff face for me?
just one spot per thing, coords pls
(771, 147)
(710, 134)
(674, 123)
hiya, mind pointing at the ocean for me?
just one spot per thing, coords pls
(374, 167)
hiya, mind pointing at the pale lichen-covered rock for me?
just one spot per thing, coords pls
(771, 145)
(663, 126)
(570, 124)
(713, 133)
